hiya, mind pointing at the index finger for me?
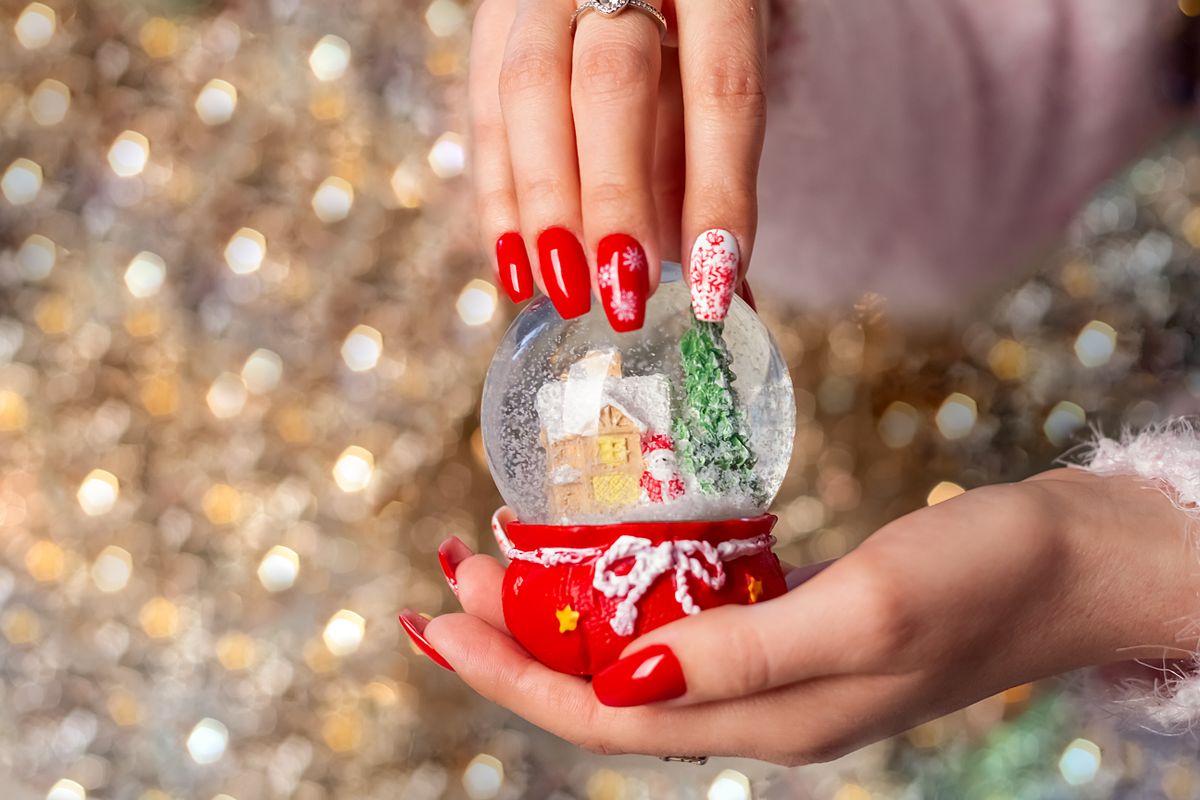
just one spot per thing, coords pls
(721, 55)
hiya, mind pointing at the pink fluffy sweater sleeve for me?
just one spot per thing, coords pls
(1167, 456)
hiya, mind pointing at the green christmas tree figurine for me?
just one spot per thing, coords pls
(711, 437)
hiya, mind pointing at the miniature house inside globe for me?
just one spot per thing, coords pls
(585, 426)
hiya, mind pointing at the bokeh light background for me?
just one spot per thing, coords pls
(242, 336)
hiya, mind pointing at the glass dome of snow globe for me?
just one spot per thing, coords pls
(680, 420)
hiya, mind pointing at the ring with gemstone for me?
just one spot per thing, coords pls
(697, 760)
(610, 8)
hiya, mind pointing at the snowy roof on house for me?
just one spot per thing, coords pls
(571, 407)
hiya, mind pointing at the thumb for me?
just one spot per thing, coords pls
(736, 651)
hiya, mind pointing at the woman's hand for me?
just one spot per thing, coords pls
(611, 139)
(948, 605)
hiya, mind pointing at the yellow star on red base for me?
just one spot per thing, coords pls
(568, 618)
(753, 588)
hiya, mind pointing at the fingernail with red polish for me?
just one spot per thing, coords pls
(564, 272)
(648, 676)
(512, 265)
(712, 271)
(624, 281)
(414, 625)
(451, 553)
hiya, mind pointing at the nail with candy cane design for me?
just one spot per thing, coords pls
(712, 272)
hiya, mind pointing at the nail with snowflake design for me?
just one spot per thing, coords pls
(624, 280)
(712, 273)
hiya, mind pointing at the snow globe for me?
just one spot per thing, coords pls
(637, 469)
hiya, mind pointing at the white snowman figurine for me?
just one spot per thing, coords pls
(661, 481)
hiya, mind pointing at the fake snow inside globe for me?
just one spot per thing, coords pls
(637, 469)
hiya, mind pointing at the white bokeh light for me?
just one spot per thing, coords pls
(354, 469)
(484, 777)
(21, 182)
(476, 303)
(1080, 762)
(98, 492)
(129, 154)
(333, 199)
(50, 102)
(207, 741)
(445, 17)
(227, 396)
(1062, 422)
(957, 415)
(112, 569)
(216, 102)
(279, 568)
(35, 26)
(729, 785)
(1096, 344)
(447, 158)
(36, 257)
(329, 58)
(246, 250)
(66, 789)
(262, 371)
(344, 632)
(145, 274)
(362, 349)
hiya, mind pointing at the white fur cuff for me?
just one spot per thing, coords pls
(1168, 455)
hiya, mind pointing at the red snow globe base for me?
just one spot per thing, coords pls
(652, 572)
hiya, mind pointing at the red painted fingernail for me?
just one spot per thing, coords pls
(712, 272)
(624, 281)
(451, 553)
(564, 272)
(747, 295)
(512, 265)
(414, 625)
(648, 676)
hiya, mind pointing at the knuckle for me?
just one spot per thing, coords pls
(755, 669)
(734, 83)
(495, 204)
(546, 192)
(888, 622)
(529, 67)
(609, 198)
(613, 69)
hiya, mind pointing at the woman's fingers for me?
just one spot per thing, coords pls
(614, 93)
(501, 670)
(830, 625)
(535, 100)
(721, 55)
(668, 157)
(496, 195)
(476, 580)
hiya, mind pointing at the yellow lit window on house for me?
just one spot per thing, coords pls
(615, 490)
(611, 450)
